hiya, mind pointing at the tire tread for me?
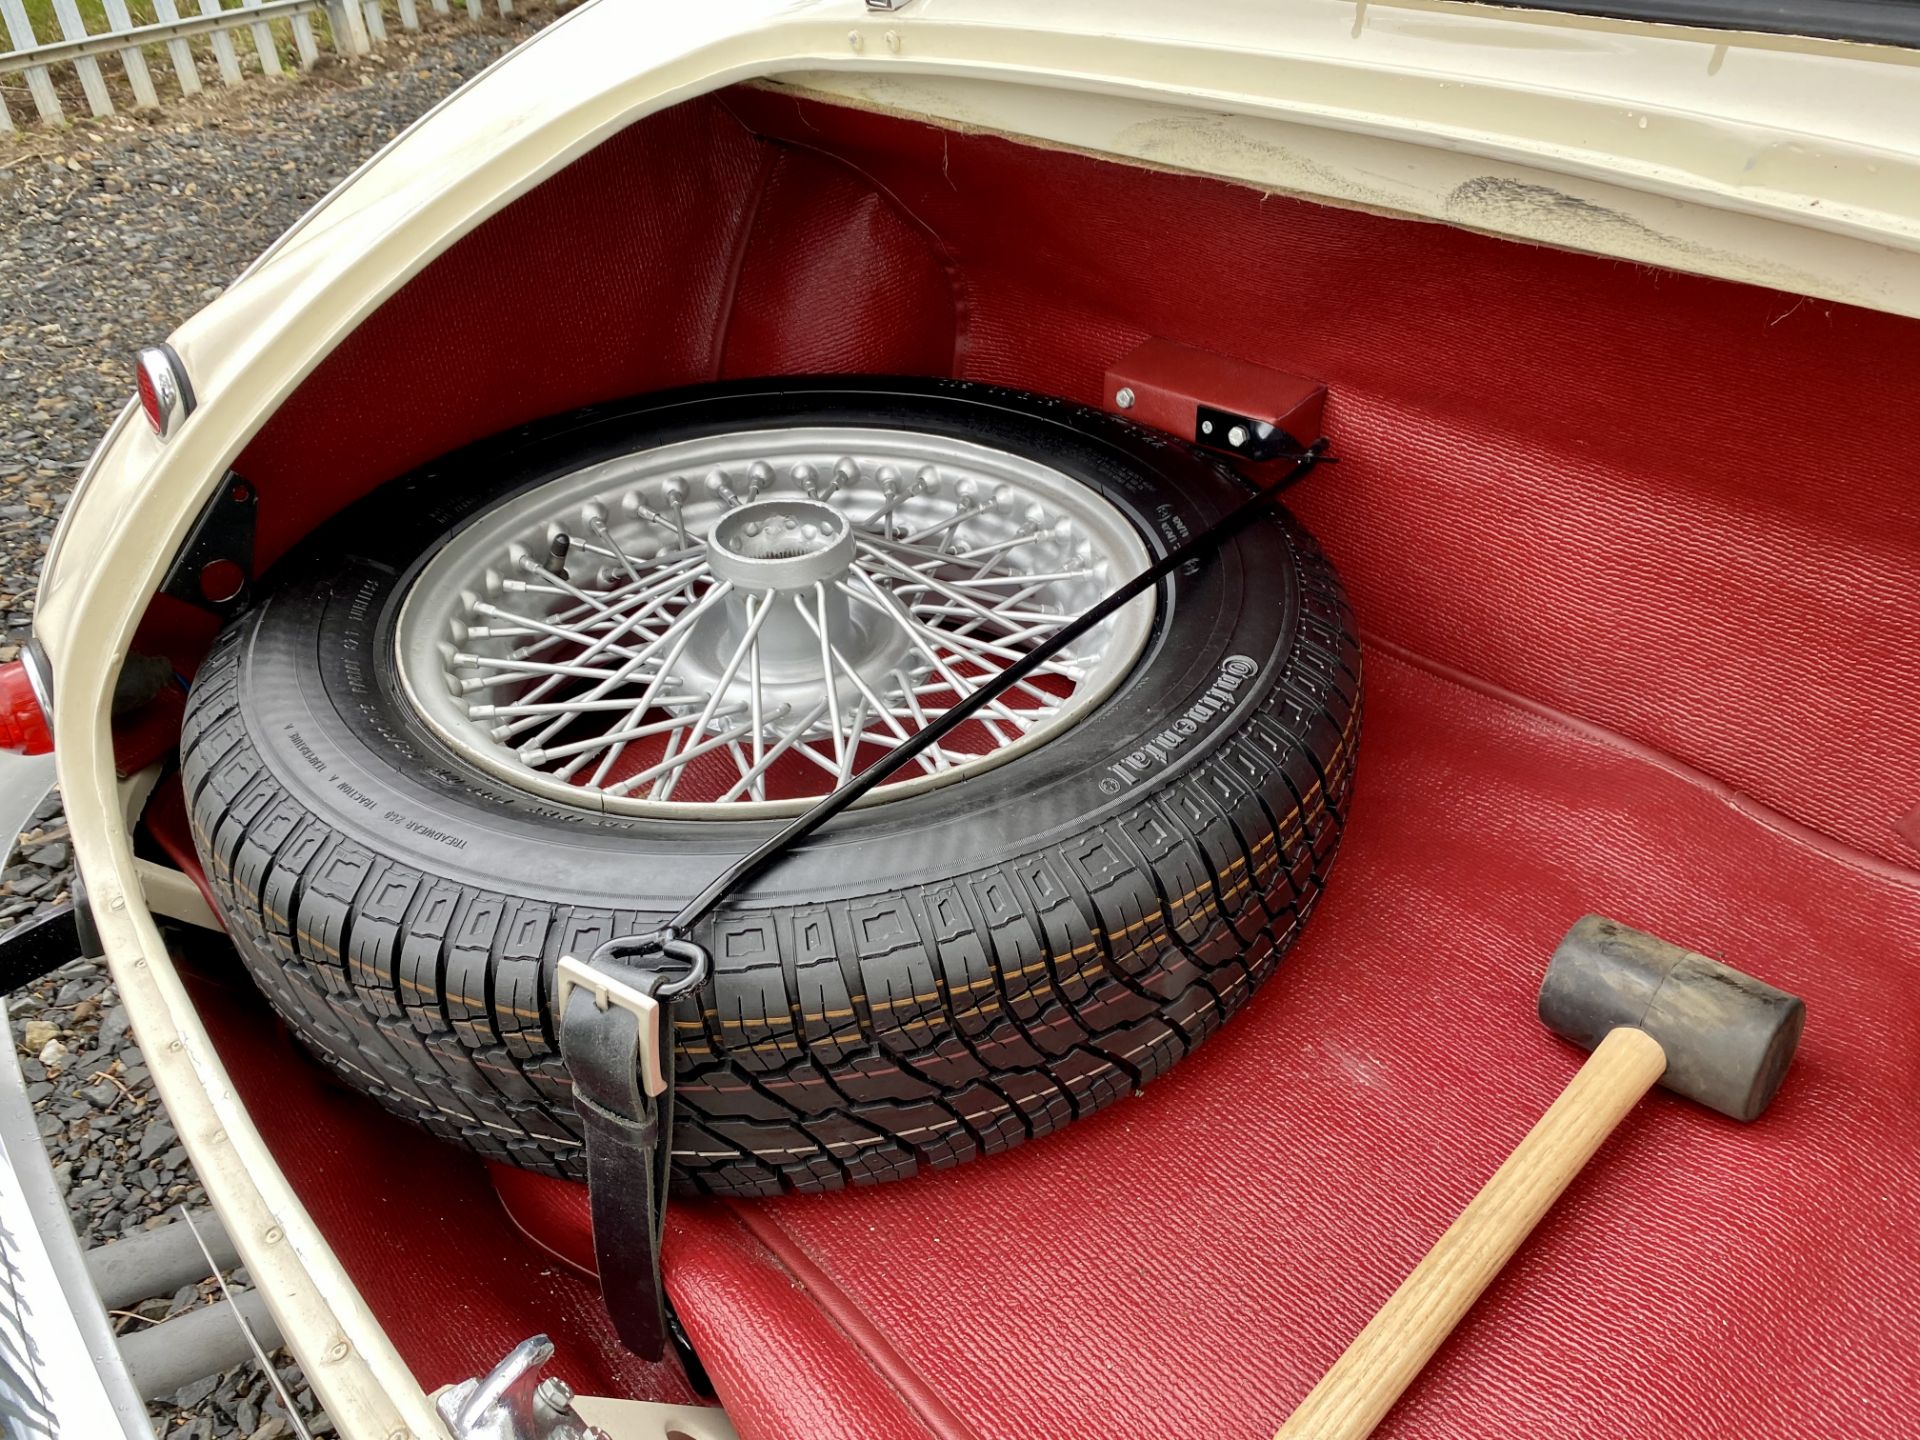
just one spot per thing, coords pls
(847, 1041)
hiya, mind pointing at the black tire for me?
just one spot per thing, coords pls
(928, 980)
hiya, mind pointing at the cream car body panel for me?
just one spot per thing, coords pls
(1793, 163)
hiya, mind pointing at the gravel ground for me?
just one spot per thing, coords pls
(111, 233)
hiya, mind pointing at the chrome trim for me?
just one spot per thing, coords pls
(25, 780)
(167, 373)
(511, 1402)
(60, 1369)
(61, 1375)
(33, 659)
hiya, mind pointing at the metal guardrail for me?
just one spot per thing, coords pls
(352, 26)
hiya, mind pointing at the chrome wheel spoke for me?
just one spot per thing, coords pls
(647, 601)
(891, 715)
(748, 643)
(929, 642)
(980, 611)
(650, 694)
(756, 776)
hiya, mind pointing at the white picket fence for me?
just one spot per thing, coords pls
(352, 26)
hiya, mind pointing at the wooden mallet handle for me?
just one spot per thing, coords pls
(1355, 1395)
(1649, 1011)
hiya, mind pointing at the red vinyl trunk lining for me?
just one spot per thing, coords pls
(1190, 1262)
(1677, 509)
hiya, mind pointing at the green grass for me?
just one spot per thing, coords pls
(46, 24)
(160, 68)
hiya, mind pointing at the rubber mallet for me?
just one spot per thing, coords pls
(1649, 1011)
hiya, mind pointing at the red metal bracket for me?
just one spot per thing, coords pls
(1217, 401)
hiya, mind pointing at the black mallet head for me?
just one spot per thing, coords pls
(1728, 1037)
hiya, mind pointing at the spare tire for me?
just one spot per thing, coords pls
(403, 841)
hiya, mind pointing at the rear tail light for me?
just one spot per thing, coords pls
(24, 726)
(165, 395)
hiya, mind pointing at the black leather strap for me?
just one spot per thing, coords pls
(629, 1155)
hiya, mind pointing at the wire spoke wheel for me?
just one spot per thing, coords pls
(736, 625)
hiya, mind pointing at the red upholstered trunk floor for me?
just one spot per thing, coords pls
(1189, 1263)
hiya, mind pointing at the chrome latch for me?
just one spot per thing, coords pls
(511, 1403)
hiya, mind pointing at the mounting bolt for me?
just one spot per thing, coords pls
(1237, 436)
(1125, 398)
(555, 1394)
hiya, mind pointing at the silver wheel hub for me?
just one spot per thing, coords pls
(785, 544)
(735, 625)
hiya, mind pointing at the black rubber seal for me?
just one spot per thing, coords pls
(1869, 22)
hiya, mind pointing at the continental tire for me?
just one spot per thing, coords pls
(939, 976)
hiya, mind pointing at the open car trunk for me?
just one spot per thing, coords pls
(1637, 560)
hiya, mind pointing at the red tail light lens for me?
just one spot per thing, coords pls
(23, 724)
(165, 396)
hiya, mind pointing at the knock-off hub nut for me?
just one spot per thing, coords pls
(781, 544)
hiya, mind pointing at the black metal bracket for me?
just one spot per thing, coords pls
(1243, 436)
(214, 569)
(45, 941)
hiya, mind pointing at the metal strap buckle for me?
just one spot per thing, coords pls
(602, 980)
(608, 990)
